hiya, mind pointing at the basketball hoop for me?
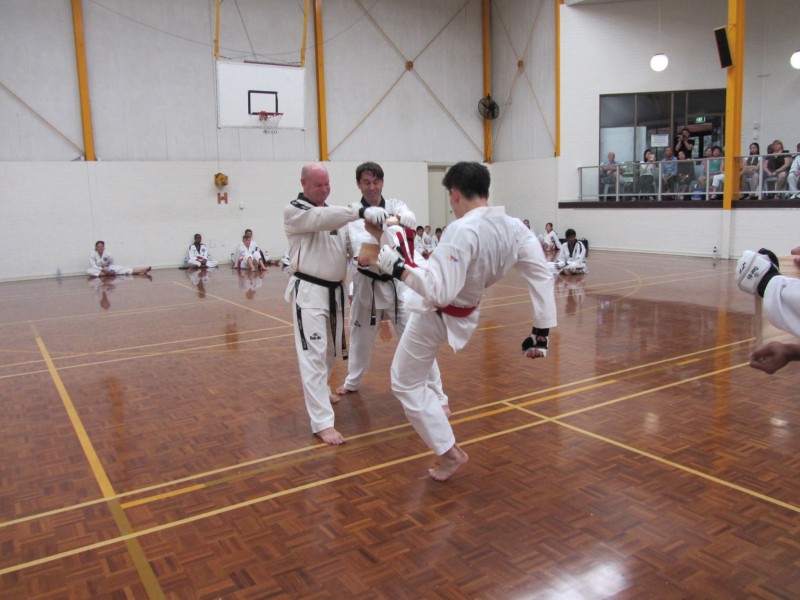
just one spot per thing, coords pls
(269, 121)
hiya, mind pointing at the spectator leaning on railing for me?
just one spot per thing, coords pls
(794, 175)
(777, 166)
(669, 171)
(751, 175)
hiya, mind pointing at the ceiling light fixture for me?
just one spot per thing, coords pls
(659, 61)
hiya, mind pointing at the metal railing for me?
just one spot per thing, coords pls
(679, 180)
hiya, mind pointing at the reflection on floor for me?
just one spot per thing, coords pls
(155, 444)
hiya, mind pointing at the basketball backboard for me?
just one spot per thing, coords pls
(246, 89)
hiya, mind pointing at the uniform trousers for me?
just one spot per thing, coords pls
(362, 342)
(411, 368)
(116, 269)
(316, 363)
(196, 263)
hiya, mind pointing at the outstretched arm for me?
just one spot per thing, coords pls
(774, 356)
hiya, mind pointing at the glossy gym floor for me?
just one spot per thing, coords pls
(155, 444)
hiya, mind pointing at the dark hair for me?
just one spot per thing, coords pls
(472, 179)
(370, 167)
(756, 145)
(250, 231)
(548, 223)
(419, 227)
(99, 242)
(569, 233)
(438, 230)
(646, 150)
(197, 235)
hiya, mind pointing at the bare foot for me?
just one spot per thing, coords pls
(341, 390)
(331, 436)
(334, 398)
(450, 462)
(447, 411)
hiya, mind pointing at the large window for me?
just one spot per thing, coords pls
(631, 123)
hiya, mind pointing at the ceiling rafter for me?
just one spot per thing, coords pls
(521, 71)
(409, 67)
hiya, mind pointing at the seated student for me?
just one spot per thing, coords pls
(248, 255)
(429, 241)
(571, 257)
(199, 258)
(264, 254)
(438, 233)
(550, 241)
(101, 264)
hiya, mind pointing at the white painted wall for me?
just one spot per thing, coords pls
(148, 212)
(526, 188)
(151, 80)
(606, 48)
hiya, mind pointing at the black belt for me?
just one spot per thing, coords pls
(373, 318)
(332, 287)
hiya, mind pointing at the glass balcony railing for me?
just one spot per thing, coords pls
(685, 180)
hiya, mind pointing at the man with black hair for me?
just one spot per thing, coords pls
(571, 259)
(475, 251)
(758, 273)
(375, 296)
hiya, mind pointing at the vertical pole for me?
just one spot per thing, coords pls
(486, 21)
(323, 120)
(83, 80)
(558, 4)
(733, 100)
(305, 35)
(216, 34)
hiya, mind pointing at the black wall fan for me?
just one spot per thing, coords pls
(488, 108)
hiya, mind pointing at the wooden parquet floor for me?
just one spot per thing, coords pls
(155, 444)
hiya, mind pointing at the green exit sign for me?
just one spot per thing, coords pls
(699, 119)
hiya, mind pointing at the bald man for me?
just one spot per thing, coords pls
(317, 253)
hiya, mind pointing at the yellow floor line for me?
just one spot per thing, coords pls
(143, 567)
(236, 304)
(317, 447)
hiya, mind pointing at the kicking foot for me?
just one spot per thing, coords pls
(450, 462)
(331, 436)
(334, 398)
(341, 390)
(446, 409)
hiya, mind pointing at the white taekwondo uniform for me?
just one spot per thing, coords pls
(194, 254)
(378, 297)
(572, 262)
(782, 303)
(318, 254)
(97, 263)
(243, 253)
(475, 252)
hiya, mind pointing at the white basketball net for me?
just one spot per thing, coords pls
(269, 121)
